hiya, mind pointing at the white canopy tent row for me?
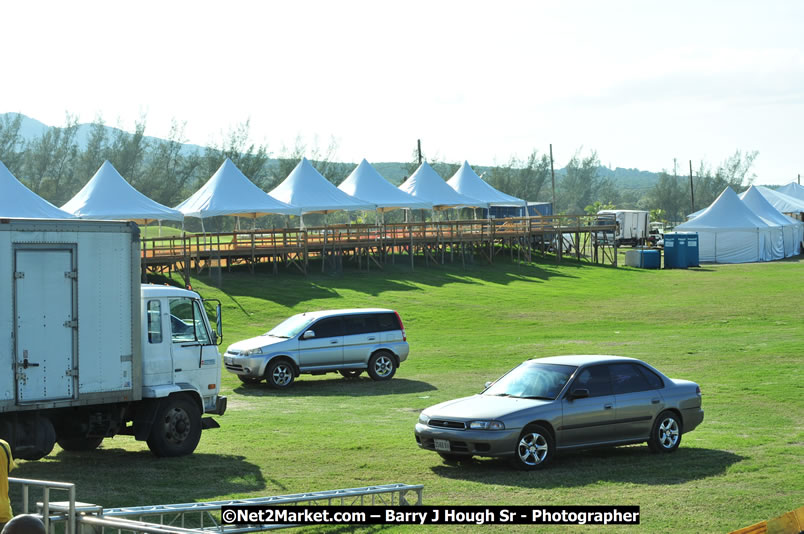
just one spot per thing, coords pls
(780, 201)
(366, 183)
(466, 182)
(425, 184)
(308, 191)
(792, 230)
(17, 201)
(730, 232)
(229, 192)
(792, 189)
(108, 196)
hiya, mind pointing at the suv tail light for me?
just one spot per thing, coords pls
(401, 326)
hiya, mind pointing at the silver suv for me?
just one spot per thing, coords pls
(344, 341)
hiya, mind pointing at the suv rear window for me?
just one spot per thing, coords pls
(386, 322)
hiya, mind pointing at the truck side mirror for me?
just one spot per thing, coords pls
(218, 325)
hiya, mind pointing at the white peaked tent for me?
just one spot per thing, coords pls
(16, 200)
(780, 201)
(466, 182)
(109, 196)
(307, 190)
(792, 230)
(729, 232)
(366, 183)
(229, 192)
(425, 184)
(793, 189)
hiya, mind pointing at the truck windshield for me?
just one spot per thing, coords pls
(187, 321)
(532, 380)
(291, 326)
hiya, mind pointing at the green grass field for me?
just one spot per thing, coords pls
(734, 329)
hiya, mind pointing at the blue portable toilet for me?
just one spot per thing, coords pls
(692, 250)
(675, 251)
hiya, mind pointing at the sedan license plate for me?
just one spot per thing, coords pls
(441, 445)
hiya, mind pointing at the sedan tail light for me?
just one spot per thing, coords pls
(698, 390)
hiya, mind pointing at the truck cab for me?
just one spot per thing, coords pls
(179, 347)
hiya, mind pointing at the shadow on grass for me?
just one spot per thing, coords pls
(337, 387)
(633, 464)
(289, 289)
(107, 476)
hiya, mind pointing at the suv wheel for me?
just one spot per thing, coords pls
(382, 365)
(279, 374)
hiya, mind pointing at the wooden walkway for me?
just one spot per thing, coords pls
(370, 246)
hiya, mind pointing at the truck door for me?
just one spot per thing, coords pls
(45, 324)
(190, 343)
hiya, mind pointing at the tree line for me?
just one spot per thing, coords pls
(56, 166)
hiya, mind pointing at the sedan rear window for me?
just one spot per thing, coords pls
(532, 380)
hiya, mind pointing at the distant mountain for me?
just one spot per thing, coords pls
(395, 172)
(31, 129)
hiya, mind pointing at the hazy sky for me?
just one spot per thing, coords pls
(640, 82)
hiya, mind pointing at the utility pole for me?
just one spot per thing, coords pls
(553, 174)
(419, 150)
(692, 193)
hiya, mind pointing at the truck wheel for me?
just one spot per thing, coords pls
(177, 427)
(79, 443)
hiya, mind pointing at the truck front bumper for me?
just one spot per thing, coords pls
(220, 405)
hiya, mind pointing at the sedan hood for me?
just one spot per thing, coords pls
(256, 343)
(482, 407)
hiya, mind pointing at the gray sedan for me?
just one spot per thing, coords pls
(561, 403)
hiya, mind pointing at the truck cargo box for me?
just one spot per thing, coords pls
(69, 297)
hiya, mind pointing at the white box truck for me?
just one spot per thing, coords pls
(632, 226)
(90, 352)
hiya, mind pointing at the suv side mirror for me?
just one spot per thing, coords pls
(308, 334)
(580, 393)
(488, 384)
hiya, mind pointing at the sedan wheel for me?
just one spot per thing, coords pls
(534, 449)
(666, 433)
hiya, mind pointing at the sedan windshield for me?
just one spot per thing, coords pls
(291, 326)
(532, 381)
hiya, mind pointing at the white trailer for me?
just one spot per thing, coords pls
(93, 353)
(632, 226)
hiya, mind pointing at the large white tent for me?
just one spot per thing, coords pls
(780, 201)
(108, 196)
(793, 189)
(16, 200)
(729, 232)
(307, 190)
(367, 184)
(229, 192)
(792, 230)
(466, 182)
(425, 184)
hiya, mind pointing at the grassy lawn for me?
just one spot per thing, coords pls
(734, 329)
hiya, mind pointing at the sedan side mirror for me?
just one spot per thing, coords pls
(580, 393)
(308, 334)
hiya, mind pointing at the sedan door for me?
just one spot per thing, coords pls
(638, 399)
(321, 345)
(588, 420)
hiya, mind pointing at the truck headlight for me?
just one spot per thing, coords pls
(486, 425)
(424, 419)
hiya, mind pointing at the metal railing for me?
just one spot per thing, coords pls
(47, 485)
(164, 517)
(199, 517)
